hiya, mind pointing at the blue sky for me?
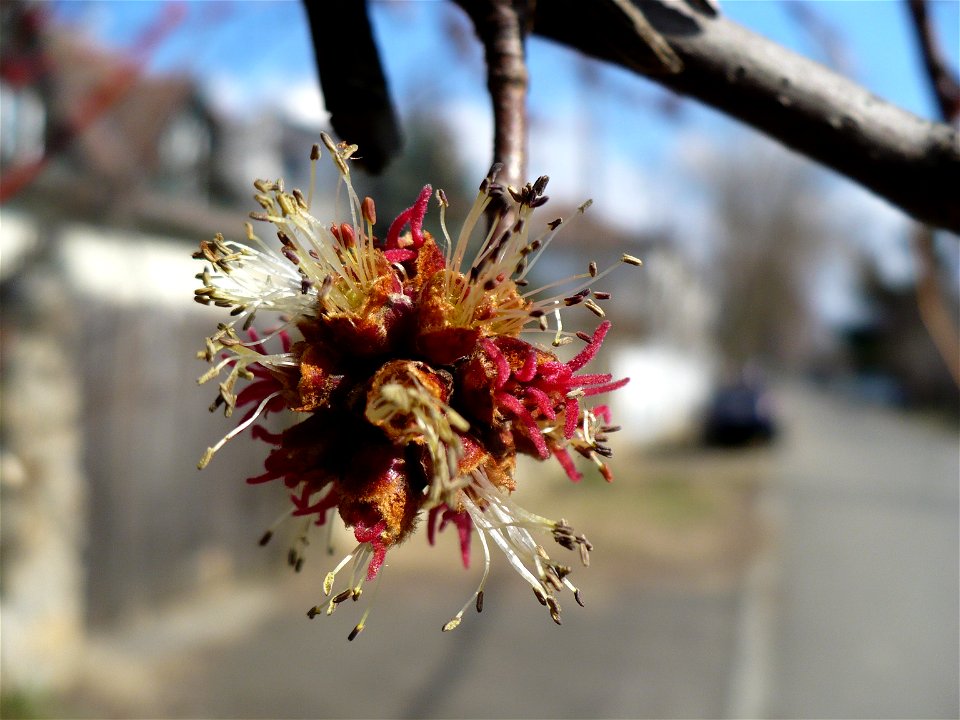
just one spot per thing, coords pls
(257, 41)
(597, 131)
(253, 54)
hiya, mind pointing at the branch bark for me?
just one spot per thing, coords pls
(354, 85)
(501, 26)
(911, 162)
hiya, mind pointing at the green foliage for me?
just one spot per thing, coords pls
(23, 705)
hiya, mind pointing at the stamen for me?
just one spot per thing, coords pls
(594, 308)
(332, 575)
(369, 211)
(211, 451)
(478, 593)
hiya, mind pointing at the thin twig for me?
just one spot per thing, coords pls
(944, 84)
(501, 26)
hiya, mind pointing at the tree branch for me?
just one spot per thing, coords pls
(911, 162)
(355, 92)
(501, 25)
(946, 89)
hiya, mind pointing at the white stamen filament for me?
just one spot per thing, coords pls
(509, 525)
(483, 581)
(238, 429)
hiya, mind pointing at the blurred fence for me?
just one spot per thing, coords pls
(104, 512)
(157, 527)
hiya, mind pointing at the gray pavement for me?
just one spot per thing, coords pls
(634, 651)
(656, 655)
(867, 623)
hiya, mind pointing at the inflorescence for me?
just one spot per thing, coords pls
(403, 370)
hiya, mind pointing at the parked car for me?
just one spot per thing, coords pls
(740, 413)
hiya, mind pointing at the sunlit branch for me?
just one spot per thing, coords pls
(502, 25)
(911, 162)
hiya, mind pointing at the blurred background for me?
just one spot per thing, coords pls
(780, 540)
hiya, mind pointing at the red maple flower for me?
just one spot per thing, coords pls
(417, 387)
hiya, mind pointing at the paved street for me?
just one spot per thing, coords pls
(868, 618)
(637, 649)
(847, 606)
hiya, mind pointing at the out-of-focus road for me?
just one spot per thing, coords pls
(867, 618)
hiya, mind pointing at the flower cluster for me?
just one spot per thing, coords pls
(403, 366)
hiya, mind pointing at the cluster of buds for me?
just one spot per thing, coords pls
(402, 366)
